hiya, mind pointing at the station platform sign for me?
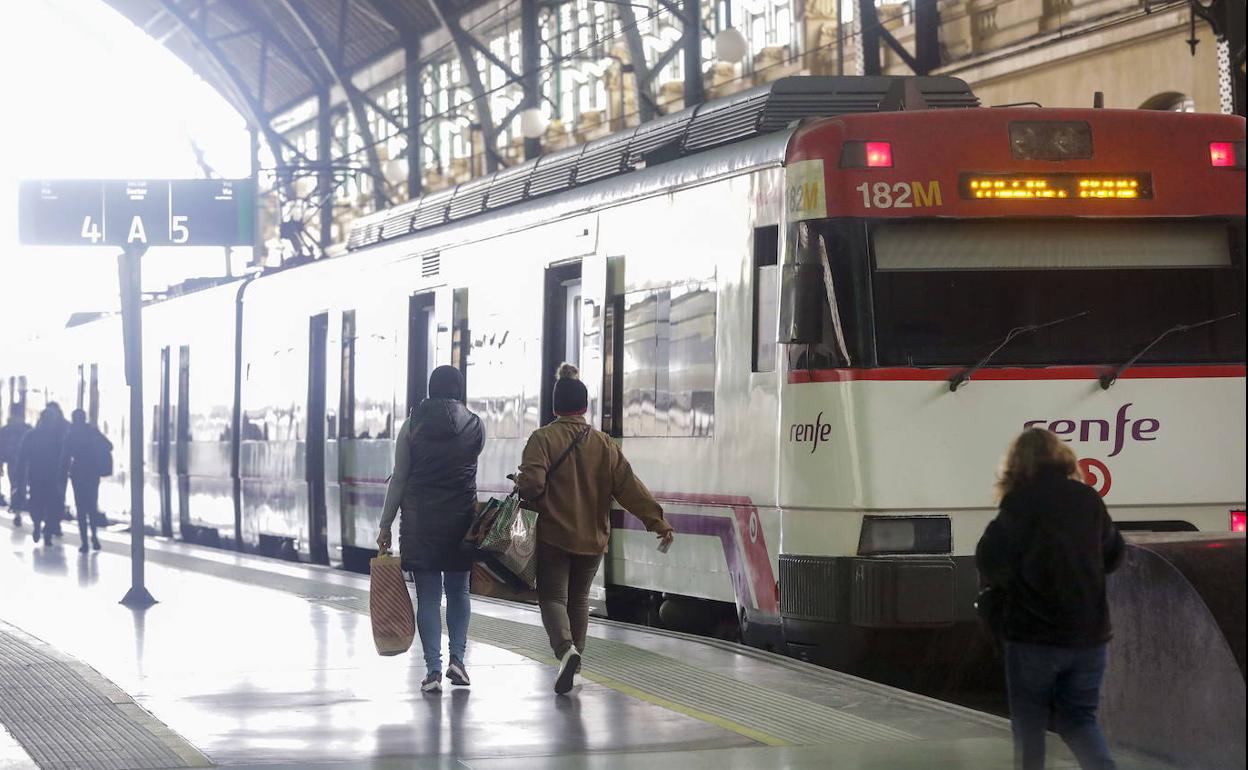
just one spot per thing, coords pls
(137, 213)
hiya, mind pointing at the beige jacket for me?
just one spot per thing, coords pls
(575, 502)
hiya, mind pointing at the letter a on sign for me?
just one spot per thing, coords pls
(137, 233)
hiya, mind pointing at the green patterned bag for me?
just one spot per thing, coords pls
(512, 540)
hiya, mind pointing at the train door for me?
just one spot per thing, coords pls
(164, 429)
(561, 328)
(182, 448)
(82, 386)
(314, 468)
(422, 346)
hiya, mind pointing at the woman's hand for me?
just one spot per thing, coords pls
(383, 540)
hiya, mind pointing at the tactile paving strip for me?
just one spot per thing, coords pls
(783, 718)
(66, 716)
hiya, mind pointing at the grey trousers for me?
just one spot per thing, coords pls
(563, 583)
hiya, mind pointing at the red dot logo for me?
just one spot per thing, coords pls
(1096, 474)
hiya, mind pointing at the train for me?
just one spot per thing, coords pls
(814, 314)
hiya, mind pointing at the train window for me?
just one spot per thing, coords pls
(346, 390)
(499, 355)
(460, 342)
(373, 385)
(766, 304)
(842, 292)
(1134, 279)
(668, 386)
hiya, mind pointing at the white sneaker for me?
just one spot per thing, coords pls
(432, 683)
(567, 670)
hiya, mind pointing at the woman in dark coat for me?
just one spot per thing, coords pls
(40, 467)
(434, 487)
(1049, 549)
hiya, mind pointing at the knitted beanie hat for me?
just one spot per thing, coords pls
(570, 396)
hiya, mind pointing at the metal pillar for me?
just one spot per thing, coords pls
(130, 275)
(637, 57)
(926, 36)
(691, 15)
(530, 67)
(869, 22)
(415, 103)
(324, 169)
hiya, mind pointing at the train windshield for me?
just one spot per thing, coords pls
(944, 292)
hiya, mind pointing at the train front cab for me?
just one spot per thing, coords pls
(914, 245)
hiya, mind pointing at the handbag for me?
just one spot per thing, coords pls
(990, 607)
(389, 605)
(512, 541)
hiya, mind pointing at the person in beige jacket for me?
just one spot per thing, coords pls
(570, 472)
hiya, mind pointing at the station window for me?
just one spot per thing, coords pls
(766, 296)
(669, 361)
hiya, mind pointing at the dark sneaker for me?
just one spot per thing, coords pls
(95, 543)
(83, 548)
(456, 673)
(432, 683)
(567, 670)
(17, 521)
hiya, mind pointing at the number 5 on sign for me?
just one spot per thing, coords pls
(178, 231)
(91, 230)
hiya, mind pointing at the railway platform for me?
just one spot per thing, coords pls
(247, 661)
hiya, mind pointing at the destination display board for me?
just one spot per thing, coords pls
(166, 212)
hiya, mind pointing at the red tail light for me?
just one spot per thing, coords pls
(879, 155)
(1222, 154)
(855, 154)
(1237, 521)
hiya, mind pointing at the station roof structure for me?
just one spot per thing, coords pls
(266, 57)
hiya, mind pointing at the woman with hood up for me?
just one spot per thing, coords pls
(434, 491)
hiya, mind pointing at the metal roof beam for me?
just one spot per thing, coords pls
(333, 65)
(463, 46)
(254, 111)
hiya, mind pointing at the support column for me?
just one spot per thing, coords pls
(530, 66)
(926, 36)
(130, 275)
(869, 23)
(324, 172)
(415, 110)
(692, 17)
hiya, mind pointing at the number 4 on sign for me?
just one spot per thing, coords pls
(91, 230)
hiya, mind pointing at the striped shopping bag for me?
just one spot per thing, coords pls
(389, 605)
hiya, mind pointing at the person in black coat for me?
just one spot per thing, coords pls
(86, 458)
(1049, 550)
(40, 468)
(434, 488)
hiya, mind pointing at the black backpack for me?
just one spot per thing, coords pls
(102, 455)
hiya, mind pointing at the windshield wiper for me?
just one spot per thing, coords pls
(1110, 378)
(962, 377)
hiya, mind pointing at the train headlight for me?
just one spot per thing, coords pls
(1051, 139)
(905, 535)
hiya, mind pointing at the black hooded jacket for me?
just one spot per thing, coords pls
(1050, 547)
(440, 494)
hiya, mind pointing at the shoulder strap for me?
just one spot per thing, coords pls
(559, 460)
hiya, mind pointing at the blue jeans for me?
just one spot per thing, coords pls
(1066, 680)
(429, 585)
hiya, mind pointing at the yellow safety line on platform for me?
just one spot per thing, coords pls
(633, 692)
(704, 716)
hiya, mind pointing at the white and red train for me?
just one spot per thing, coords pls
(775, 301)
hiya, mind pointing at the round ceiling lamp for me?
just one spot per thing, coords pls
(532, 123)
(730, 45)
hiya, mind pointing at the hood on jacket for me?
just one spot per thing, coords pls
(441, 418)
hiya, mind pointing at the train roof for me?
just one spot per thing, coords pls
(761, 110)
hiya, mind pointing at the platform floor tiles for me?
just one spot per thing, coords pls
(248, 662)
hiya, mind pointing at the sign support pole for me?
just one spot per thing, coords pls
(130, 272)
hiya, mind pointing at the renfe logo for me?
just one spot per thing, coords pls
(815, 433)
(1087, 431)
